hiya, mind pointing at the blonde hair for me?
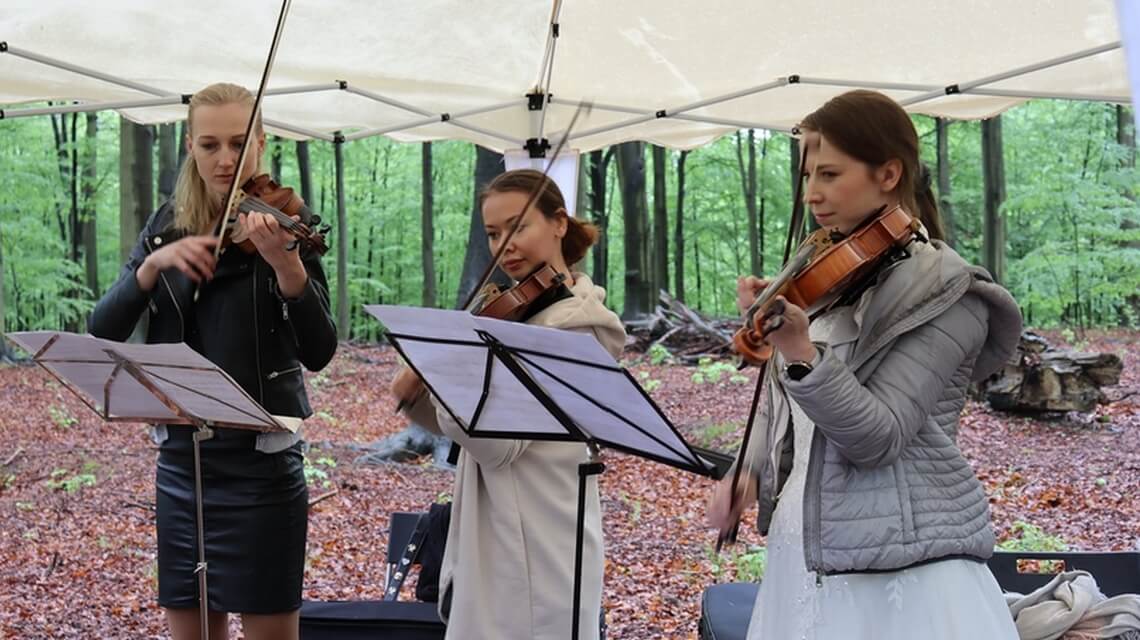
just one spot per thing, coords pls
(194, 205)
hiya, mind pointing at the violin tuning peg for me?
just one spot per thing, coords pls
(315, 220)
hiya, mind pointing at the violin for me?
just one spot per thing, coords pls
(261, 194)
(542, 288)
(823, 268)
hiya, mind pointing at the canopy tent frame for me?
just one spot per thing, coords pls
(540, 98)
(929, 92)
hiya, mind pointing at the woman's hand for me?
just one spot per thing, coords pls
(406, 386)
(270, 239)
(719, 512)
(790, 333)
(192, 255)
(747, 288)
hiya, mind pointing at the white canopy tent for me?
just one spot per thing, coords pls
(674, 73)
(499, 73)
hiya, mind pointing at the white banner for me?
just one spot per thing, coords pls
(1128, 15)
(564, 172)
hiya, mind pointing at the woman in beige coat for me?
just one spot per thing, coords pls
(509, 559)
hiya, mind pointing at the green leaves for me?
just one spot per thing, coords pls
(1071, 216)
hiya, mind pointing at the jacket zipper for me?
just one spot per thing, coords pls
(257, 339)
(173, 299)
(813, 502)
(276, 374)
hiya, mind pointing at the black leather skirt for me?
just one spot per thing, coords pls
(255, 509)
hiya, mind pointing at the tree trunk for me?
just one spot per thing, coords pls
(697, 264)
(181, 144)
(275, 158)
(763, 200)
(5, 350)
(748, 189)
(581, 200)
(993, 169)
(67, 215)
(635, 209)
(679, 231)
(797, 176)
(942, 127)
(660, 251)
(167, 160)
(1126, 134)
(599, 171)
(341, 246)
(427, 230)
(306, 172)
(87, 216)
(488, 164)
(136, 192)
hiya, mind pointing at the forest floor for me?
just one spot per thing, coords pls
(77, 551)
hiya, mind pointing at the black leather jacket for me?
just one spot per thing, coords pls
(240, 321)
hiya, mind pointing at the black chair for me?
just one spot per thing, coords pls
(375, 620)
(726, 609)
(401, 524)
(1115, 572)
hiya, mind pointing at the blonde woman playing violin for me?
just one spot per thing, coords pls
(261, 317)
(877, 527)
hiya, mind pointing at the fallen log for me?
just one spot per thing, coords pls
(1041, 378)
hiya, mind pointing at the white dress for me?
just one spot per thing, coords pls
(955, 599)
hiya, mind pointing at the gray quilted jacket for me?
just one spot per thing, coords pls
(886, 484)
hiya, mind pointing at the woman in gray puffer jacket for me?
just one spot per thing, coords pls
(877, 526)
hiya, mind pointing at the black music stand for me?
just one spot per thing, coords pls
(502, 379)
(164, 383)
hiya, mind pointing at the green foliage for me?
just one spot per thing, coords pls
(62, 479)
(634, 506)
(711, 371)
(315, 474)
(1071, 215)
(61, 417)
(647, 383)
(746, 565)
(713, 433)
(659, 355)
(1030, 537)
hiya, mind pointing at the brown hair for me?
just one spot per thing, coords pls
(194, 205)
(874, 129)
(579, 237)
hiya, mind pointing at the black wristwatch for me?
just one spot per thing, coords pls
(797, 369)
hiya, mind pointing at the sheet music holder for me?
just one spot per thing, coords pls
(158, 383)
(501, 379)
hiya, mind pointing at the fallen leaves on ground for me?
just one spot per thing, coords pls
(77, 556)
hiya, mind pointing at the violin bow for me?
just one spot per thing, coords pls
(743, 459)
(534, 193)
(583, 106)
(232, 192)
